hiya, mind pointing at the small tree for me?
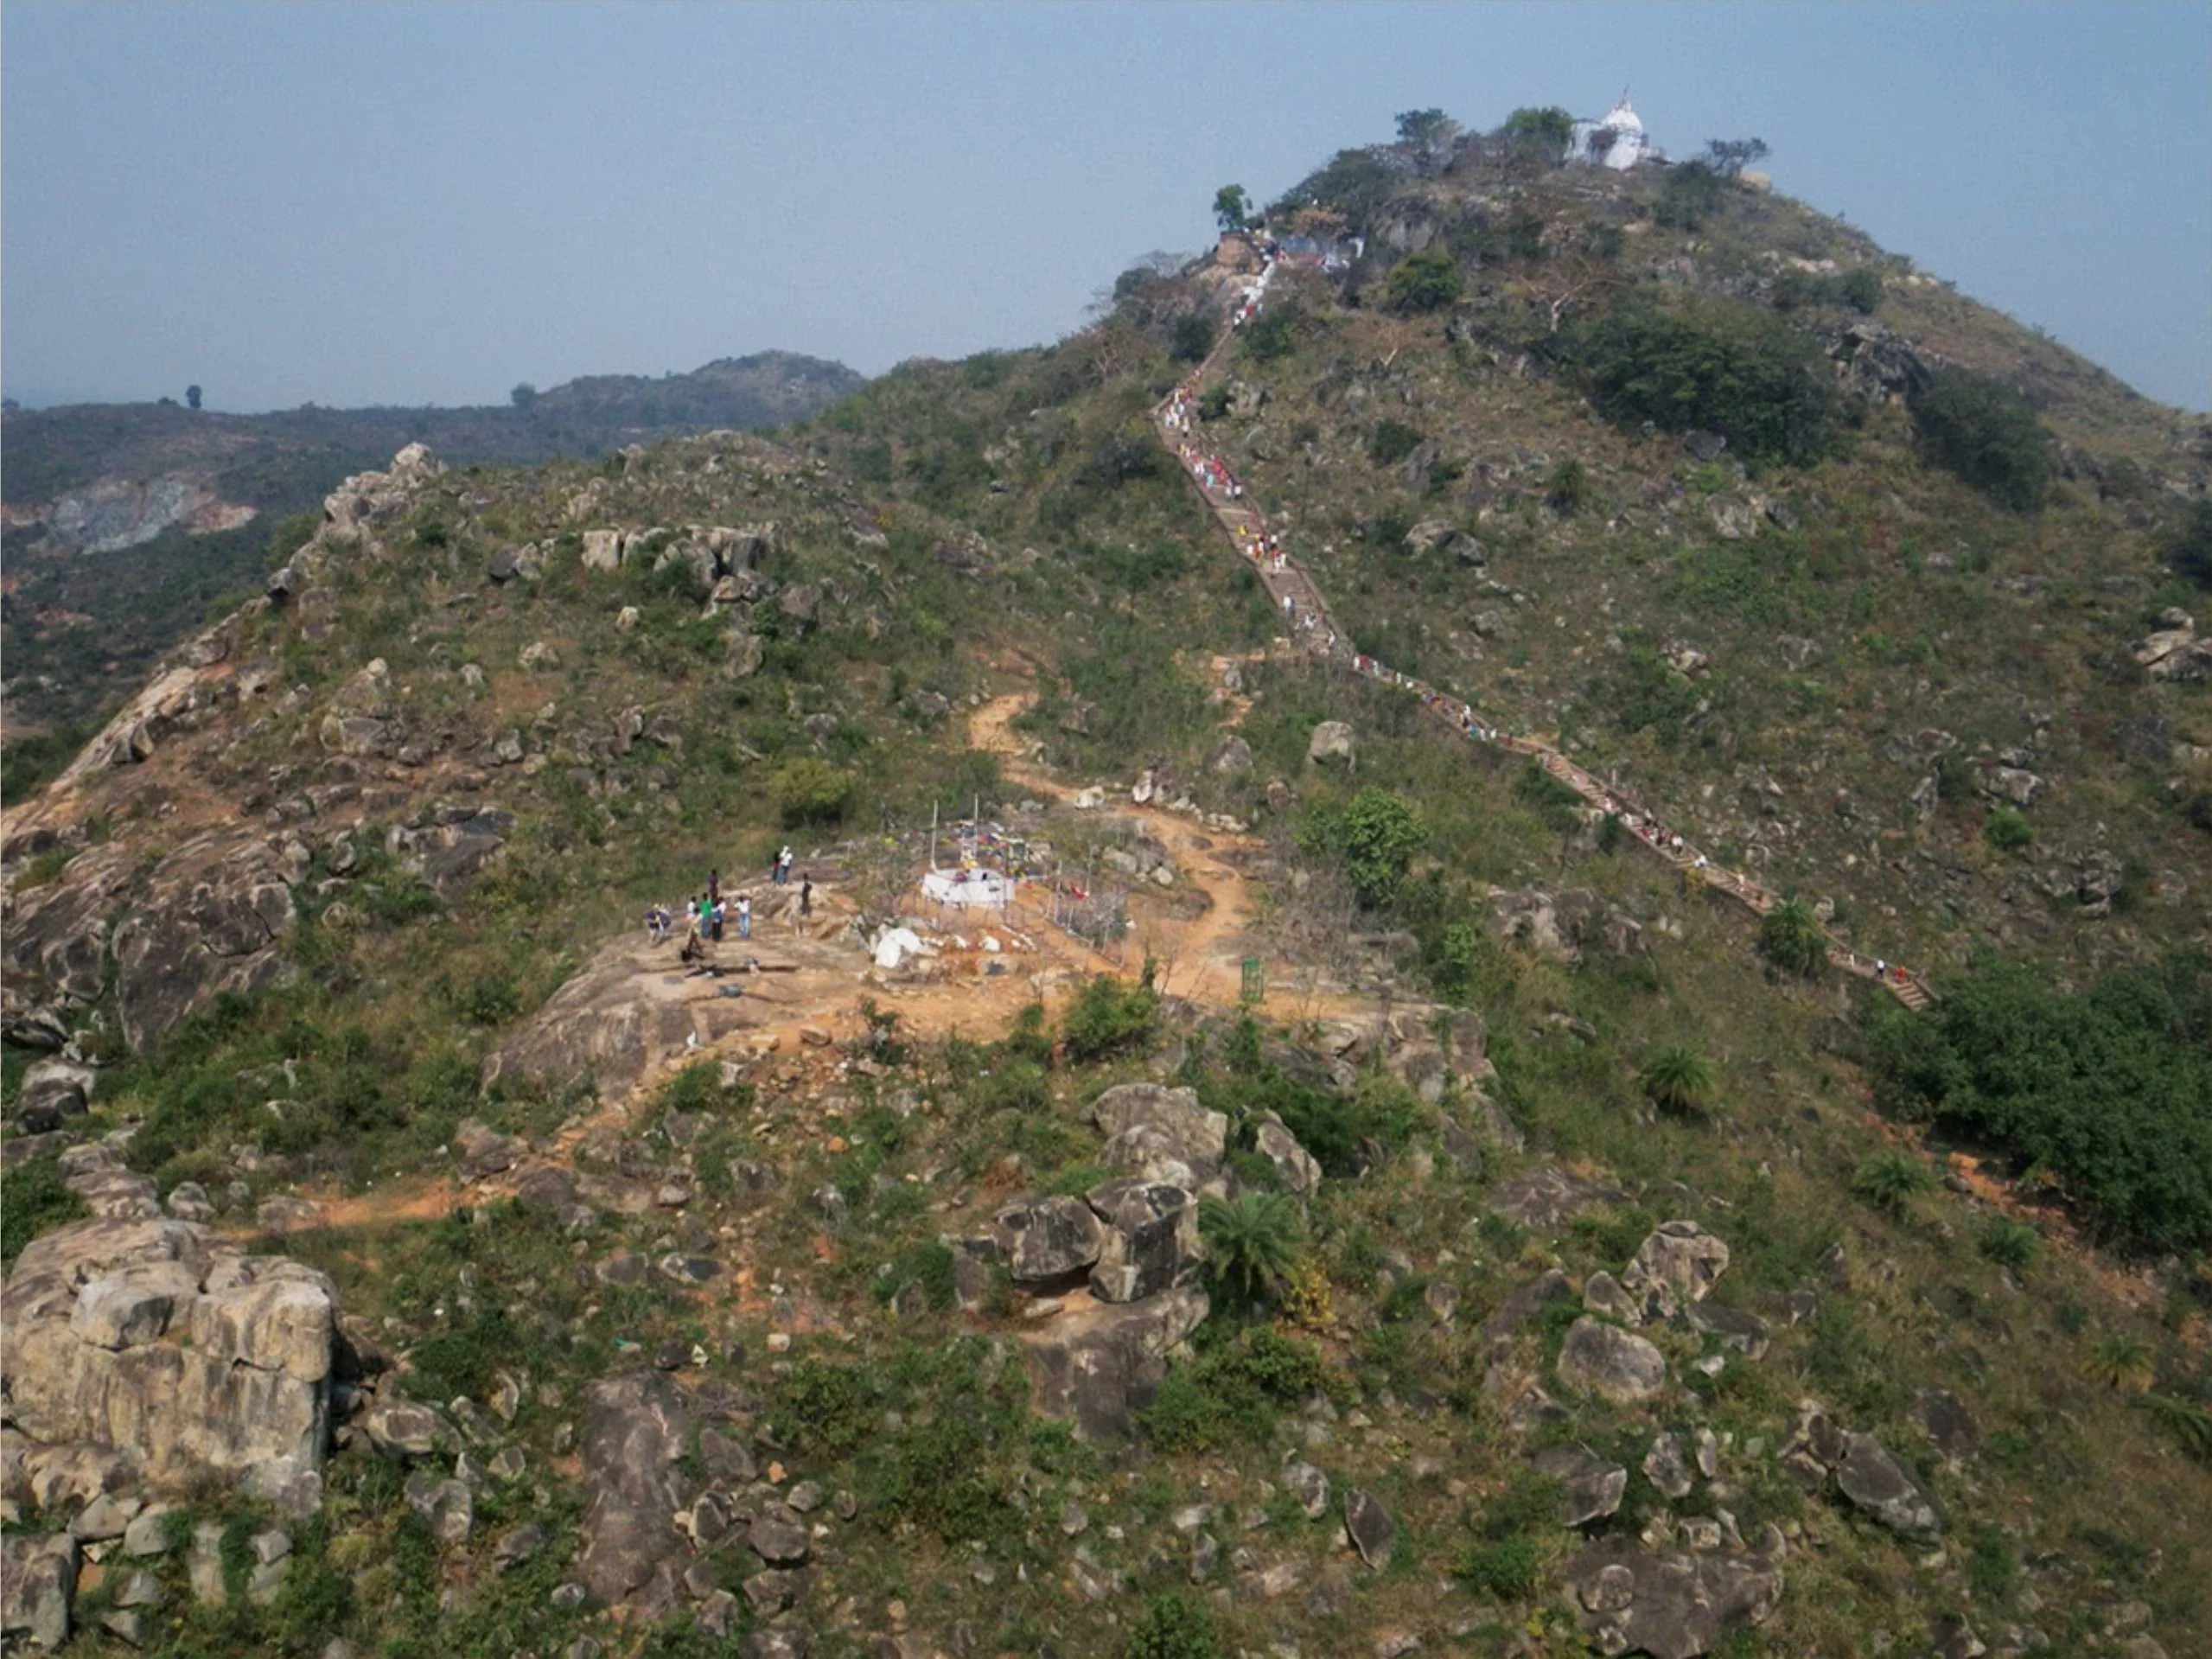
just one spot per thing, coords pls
(1232, 209)
(1427, 135)
(1539, 131)
(2007, 829)
(1173, 1627)
(1790, 937)
(524, 395)
(192, 397)
(1379, 836)
(1730, 157)
(1427, 281)
(1692, 195)
(809, 792)
(1677, 1079)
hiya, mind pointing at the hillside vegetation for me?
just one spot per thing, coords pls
(1538, 1232)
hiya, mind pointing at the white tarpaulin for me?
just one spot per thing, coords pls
(974, 890)
(896, 946)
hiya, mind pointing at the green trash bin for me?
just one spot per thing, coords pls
(1255, 982)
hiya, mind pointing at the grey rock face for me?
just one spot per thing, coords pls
(1614, 1364)
(1666, 1466)
(1667, 1604)
(98, 1314)
(1371, 1528)
(1874, 1480)
(1677, 1265)
(1047, 1239)
(1332, 740)
(636, 1428)
(1300, 1171)
(1547, 1198)
(1152, 1239)
(1098, 1367)
(38, 1580)
(1601, 1293)
(1943, 1417)
(1590, 1487)
(1734, 1328)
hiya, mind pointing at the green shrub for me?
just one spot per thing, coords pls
(1542, 132)
(1235, 1393)
(1983, 432)
(928, 1264)
(1860, 288)
(809, 792)
(34, 1200)
(2189, 1421)
(1677, 1078)
(2007, 829)
(1891, 1180)
(1991, 1564)
(1427, 281)
(1568, 488)
(1191, 336)
(1272, 335)
(827, 1411)
(461, 1360)
(1374, 838)
(1108, 1018)
(1507, 1568)
(1173, 1627)
(2009, 1243)
(1251, 1241)
(1720, 367)
(1791, 938)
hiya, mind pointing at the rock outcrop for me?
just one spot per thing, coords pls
(1098, 1365)
(1669, 1604)
(636, 1429)
(151, 1341)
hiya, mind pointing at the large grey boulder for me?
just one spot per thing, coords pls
(1669, 1605)
(1161, 1134)
(1612, 1364)
(1590, 1487)
(1547, 1199)
(1332, 740)
(1151, 1239)
(1296, 1168)
(38, 1581)
(152, 1336)
(1098, 1367)
(1372, 1529)
(53, 1091)
(1045, 1240)
(1677, 1265)
(636, 1430)
(1878, 1484)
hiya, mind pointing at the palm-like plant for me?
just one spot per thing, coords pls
(1253, 1240)
(1677, 1078)
(1889, 1180)
(1792, 938)
(2123, 1361)
(2186, 1421)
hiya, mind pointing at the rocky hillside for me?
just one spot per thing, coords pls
(125, 523)
(1355, 1198)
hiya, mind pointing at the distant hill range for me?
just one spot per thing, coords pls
(122, 523)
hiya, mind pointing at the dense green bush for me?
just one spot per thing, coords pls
(1693, 192)
(1542, 131)
(2006, 828)
(1173, 1627)
(1235, 1393)
(809, 792)
(1983, 432)
(37, 1201)
(1251, 1241)
(2109, 1089)
(1790, 937)
(2188, 550)
(1108, 1018)
(1391, 441)
(1427, 281)
(1720, 367)
(829, 1411)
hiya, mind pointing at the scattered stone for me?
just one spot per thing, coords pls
(403, 1431)
(1547, 1199)
(1372, 1530)
(1877, 1482)
(1525, 1303)
(779, 1537)
(1678, 1265)
(1047, 1239)
(1614, 1364)
(1332, 740)
(1942, 1416)
(1604, 1295)
(1731, 1327)
(1295, 1167)
(1590, 1489)
(1309, 1486)
(517, 1546)
(448, 1508)
(1667, 1604)
(1666, 1466)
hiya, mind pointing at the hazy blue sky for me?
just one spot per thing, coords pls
(428, 203)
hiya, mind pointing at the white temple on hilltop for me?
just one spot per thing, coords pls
(1618, 141)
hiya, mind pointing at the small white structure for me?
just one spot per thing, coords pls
(1618, 141)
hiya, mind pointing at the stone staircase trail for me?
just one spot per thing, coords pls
(1314, 627)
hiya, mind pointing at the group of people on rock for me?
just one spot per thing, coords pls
(708, 916)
